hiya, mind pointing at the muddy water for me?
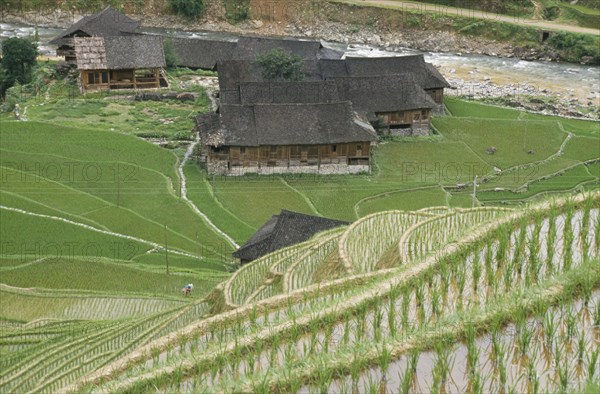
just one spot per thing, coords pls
(517, 357)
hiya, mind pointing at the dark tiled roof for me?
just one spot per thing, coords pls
(106, 23)
(386, 93)
(248, 48)
(200, 53)
(328, 53)
(333, 68)
(286, 229)
(424, 73)
(284, 92)
(117, 53)
(289, 124)
(235, 72)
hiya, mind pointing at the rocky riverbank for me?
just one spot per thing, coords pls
(375, 34)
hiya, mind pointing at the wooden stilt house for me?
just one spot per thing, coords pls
(126, 62)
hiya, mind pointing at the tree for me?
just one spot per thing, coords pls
(191, 9)
(18, 58)
(171, 57)
(279, 65)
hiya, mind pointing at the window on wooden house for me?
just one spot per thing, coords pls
(242, 149)
(424, 113)
(416, 116)
(334, 148)
(273, 149)
(359, 147)
(91, 78)
(104, 77)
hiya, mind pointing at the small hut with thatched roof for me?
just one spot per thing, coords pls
(126, 62)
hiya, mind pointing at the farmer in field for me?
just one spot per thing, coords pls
(187, 289)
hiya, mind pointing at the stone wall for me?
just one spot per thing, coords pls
(220, 168)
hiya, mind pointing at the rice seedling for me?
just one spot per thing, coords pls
(476, 382)
(391, 315)
(562, 371)
(385, 357)
(500, 352)
(592, 363)
(549, 327)
(473, 351)
(571, 323)
(524, 339)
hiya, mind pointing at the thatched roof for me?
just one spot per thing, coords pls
(118, 53)
(106, 23)
(286, 229)
(424, 73)
(384, 93)
(248, 47)
(284, 92)
(232, 73)
(201, 53)
(288, 124)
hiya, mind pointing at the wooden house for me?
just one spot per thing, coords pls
(324, 138)
(424, 74)
(283, 230)
(106, 23)
(125, 62)
(393, 102)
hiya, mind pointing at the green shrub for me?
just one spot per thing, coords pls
(413, 21)
(552, 12)
(191, 9)
(575, 46)
(279, 65)
(18, 60)
(236, 10)
(171, 57)
(182, 136)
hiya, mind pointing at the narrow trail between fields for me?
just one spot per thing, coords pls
(154, 245)
(184, 196)
(303, 196)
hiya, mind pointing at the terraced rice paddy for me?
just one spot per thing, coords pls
(510, 303)
(434, 299)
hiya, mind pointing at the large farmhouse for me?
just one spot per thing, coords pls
(126, 62)
(269, 138)
(106, 23)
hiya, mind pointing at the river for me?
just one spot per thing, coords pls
(484, 75)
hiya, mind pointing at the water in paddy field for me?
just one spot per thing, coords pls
(568, 80)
